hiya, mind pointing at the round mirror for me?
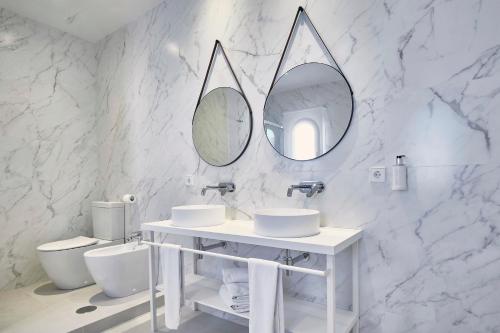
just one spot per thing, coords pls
(222, 125)
(308, 111)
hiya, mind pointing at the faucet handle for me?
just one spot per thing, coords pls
(223, 188)
(317, 187)
(135, 235)
(308, 187)
(226, 187)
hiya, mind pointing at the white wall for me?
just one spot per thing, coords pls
(425, 79)
(48, 154)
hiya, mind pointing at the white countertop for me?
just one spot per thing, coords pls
(329, 241)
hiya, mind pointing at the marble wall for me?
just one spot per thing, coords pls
(425, 78)
(48, 153)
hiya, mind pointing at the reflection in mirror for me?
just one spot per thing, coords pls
(305, 140)
(308, 111)
(222, 125)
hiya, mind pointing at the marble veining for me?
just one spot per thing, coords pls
(48, 157)
(425, 79)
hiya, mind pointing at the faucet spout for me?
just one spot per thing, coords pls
(308, 187)
(316, 188)
(135, 235)
(223, 188)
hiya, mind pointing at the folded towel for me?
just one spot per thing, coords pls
(229, 300)
(240, 308)
(237, 290)
(241, 299)
(170, 261)
(234, 275)
(266, 297)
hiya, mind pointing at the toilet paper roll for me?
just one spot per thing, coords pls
(129, 198)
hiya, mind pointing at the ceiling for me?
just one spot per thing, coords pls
(306, 75)
(91, 20)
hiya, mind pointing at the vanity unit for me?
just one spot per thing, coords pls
(300, 316)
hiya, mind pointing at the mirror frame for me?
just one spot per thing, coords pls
(348, 124)
(241, 92)
(302, 11)
(249, 131)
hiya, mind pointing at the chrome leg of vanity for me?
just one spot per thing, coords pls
(330, 290)
(152, 285)
(355, 285)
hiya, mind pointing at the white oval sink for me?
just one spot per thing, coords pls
(286, 222)
(193, 216)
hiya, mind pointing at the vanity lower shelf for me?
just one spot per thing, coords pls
(300, 316)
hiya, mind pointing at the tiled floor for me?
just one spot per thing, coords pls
(43, 308)
(192, 322)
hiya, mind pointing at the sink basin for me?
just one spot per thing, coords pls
(193, 216)
(286, 222)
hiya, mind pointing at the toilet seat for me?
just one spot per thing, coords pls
(64, 263)
(68, 244)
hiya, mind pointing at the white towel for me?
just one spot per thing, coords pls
(170, 256)
(237, 290)
(266, 297)
(232, 275)
(238, 306)
(241, 299)
(231, 300)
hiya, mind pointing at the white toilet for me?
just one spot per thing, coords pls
(63, 260)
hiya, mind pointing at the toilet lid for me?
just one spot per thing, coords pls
(67, 244)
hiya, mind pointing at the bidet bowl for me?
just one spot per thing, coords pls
(120, 270)
(193, 216)
(286, 222)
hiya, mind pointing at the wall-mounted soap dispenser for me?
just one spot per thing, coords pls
(399, 179)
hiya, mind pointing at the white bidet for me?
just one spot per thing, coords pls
(120, 270)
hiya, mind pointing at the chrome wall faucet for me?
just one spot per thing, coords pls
(223, 188)
(308, 187)
(135, 235)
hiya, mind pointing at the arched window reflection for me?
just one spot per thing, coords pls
(271, 136)
(305, 140)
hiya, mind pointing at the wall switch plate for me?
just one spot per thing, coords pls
(189, 180)
(377, 174)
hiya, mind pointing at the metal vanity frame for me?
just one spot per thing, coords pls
(329, 242)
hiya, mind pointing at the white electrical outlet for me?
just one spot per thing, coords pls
(377, 174)
(189, 180)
